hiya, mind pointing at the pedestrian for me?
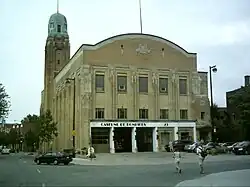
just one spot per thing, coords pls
(171, 146)
(201, 156)
(91, 152)
(177, 159)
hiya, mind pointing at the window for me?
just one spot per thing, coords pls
(122, 83)
(163, 113)
(51, 25)
(183, 86)
(143, 84)
(99, 113)
(122, 113)
(58, 28)
(163, 85)
(202, 115)
(100, 135)
(99, 83)
(183, 114)
(58, 61)
(143, 113)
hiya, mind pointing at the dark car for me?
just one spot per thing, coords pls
(179, 144)
(70, 152)
(243, 148)
(55, 158)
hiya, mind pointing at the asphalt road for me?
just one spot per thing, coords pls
(23, 172)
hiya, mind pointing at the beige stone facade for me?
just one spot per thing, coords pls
(147, 76)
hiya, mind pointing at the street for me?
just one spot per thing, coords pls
(16, 171)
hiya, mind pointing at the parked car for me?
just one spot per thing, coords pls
(55, 158)
(5, 151)
(230, 147)
(70, 152)
(191, 147)
(180, 144)
(242, 148)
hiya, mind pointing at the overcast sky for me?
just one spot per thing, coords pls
(217, 30)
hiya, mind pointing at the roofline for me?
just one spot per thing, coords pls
(81, 48)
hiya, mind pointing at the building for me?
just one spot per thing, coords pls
(130, 92)
(231, 108)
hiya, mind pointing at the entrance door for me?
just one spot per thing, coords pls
(144, 139)
(122, 139)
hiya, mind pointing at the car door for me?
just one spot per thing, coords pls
(47, 158)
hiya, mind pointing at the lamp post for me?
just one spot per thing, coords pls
(68, 80)
(214, 70)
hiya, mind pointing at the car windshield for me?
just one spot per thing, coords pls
(243, 143)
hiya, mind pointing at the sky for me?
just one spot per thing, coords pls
(218, 31)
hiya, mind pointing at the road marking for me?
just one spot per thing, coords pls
(43, 185)
(38, 170)
(25, 162)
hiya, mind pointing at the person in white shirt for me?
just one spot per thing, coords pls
(171, 146)
(177, 159)
(91, 152)
(201, 156)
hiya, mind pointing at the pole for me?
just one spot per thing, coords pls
(74, 111)
(57, 8)
(140, 16)
(212, 103)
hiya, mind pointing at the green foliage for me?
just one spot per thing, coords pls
(13, 137)
(48, 128)
(241, 100)
(3, 138)
(4, 102)
(31, 139)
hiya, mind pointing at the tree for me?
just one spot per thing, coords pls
(13, 138)
(3, 138)
(32, 125)
(48, 128)
(31, 140)
(241, 100)
(4, 102)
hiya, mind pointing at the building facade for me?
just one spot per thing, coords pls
(131, 92)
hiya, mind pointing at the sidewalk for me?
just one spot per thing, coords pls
(229, 178)
(149, 158)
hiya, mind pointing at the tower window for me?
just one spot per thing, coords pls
(58, 28)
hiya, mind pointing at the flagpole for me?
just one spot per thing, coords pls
(57, 8)
(140, 16)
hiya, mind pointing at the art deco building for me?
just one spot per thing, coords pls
(130, 92)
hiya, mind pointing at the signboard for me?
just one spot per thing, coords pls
(141, 124)
(73, 133)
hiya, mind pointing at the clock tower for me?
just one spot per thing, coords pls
(57, 55)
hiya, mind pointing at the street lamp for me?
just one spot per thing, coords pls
(68, 80)
(214, 70)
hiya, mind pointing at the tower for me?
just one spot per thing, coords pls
(57, 55)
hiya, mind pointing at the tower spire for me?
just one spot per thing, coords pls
(140, 16)
(57, 9)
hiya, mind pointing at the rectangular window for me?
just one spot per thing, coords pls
(163, 113)
(183, 86)
(163, 85)
(143, 113)
(99, 113)
(184, 114)
(202, 115)
(122, 113)
(58, 28)
(122, 83)
(143, 84)
(99, 83)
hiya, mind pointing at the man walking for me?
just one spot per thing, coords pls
(201, 156)
(177, 158)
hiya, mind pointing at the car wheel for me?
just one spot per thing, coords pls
(66, 163)
(55, 162)
(38, 162)
(246, 152)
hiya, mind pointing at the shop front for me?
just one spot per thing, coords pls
(138, 136)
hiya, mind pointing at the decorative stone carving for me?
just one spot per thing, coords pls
(86, 79)
(154, 78)
(86, 98)
(143, 49)
(173, 77)
(133, 77)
